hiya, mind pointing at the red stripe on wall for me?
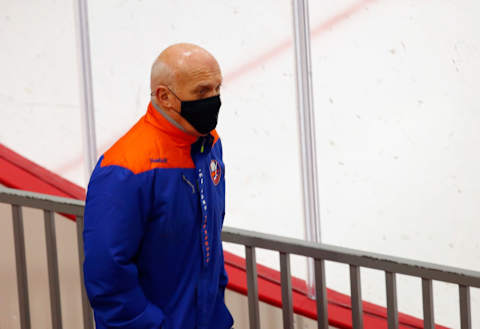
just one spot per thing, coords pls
(17, 171)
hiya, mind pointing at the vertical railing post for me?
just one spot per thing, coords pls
(321, 291)
(465, 308)
(252, 287)
(21, 267)
(86, 310)
(427, 296)
(286, 285)
(392, 307)
(52, 263)
(356, 297)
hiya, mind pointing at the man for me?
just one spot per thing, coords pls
(155, 207)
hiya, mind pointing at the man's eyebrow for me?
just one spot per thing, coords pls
(206, 86)
(203, 86)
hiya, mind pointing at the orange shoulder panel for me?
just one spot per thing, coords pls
(145, 147)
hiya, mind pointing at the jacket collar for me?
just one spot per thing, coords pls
(157, 117)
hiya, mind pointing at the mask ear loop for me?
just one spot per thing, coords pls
(153, 93)
(174, 94)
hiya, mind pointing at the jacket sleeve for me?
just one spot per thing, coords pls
(115, 212)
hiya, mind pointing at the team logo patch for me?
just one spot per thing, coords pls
(215, 172)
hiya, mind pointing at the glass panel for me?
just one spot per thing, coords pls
(39, 104)
(396, 87)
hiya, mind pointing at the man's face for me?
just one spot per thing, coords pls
(201, 81)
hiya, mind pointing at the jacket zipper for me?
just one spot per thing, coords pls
(189, 183)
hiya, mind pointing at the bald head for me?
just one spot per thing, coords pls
(183, 72)
(180, 62)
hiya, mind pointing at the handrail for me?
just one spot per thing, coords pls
(352, 256)
(251, 240)
(41, 201)
(355, 259)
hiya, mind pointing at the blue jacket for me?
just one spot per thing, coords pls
(153, 218)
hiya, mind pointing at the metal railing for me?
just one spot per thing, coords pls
(355, 259)
(50, 205)
(285, 246)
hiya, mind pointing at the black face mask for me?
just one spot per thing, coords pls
(202, 114)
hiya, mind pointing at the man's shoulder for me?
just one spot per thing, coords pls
(217, 143)
(215, 135)
(133, 150)
(144, 147)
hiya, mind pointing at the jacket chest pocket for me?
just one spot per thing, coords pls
(190, 182)
(176, 203)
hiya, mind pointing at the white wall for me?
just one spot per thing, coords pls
(397, 115)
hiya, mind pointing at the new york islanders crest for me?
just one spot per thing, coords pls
(215, 172)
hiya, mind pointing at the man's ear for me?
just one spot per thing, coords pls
(164, 98)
